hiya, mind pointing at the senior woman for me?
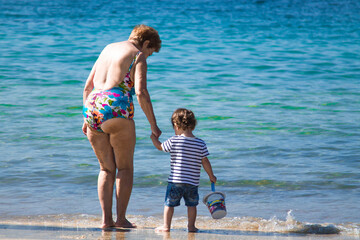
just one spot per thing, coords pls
(118, 73)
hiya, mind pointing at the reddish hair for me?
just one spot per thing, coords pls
(141, 33)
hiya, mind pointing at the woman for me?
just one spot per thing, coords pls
(118, 73)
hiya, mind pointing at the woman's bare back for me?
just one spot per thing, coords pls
(113, 64)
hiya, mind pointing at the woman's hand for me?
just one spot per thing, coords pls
(84, 128)
(156, 142)
(153, 137)
(156, 131)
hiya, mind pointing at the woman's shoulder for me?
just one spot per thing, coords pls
(116, 44)
(123, 46)
(119, 51)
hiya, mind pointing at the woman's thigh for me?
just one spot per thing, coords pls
(122, 140)
(100, 143)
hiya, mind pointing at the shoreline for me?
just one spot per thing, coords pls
(82, 226)
(53, 232)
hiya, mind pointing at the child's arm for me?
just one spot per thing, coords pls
(156, 142)
(207, 166)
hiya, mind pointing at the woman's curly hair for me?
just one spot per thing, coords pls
(183, 119)
(141, 33)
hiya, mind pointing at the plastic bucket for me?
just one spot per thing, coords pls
(215, 202)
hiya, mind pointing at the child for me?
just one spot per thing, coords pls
(187, 153)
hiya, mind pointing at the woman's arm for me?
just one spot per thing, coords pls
(143, 95)
(89, 85)
(208, 169)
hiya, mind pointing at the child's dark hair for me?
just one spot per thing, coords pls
(183, 119)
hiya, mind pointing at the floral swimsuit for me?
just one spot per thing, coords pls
(117, 102)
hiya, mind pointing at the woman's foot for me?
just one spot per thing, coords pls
(193, 229)
(108, 225)
(124, 224)
(162, 229)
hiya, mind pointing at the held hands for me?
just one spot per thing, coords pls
(153, 137)
(156, 131)
(156, 141)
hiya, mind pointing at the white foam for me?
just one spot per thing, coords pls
(272, 225)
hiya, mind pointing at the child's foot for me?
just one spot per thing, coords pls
(124, 224)
(192, 229)
(162, 229)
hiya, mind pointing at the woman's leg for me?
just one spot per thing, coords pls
(100, 143)
(122, 139)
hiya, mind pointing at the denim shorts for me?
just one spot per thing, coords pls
(176, 191)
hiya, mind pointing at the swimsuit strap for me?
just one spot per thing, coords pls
(134, 60)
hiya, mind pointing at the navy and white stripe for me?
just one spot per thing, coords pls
(186, 155)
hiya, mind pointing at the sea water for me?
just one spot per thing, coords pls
(275, 86)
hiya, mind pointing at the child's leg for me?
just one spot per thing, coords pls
(168, 214)
(191, 197)
(192, 212)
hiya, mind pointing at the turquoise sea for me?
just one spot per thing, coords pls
(275, 86)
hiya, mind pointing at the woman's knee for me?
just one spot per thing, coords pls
(125, 166)
(108, 171)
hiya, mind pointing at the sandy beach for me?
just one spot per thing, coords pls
(52, 232)
(85, 227)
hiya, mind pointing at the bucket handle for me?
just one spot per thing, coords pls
(213, 187)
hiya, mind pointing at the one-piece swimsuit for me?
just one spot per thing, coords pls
(117, 102)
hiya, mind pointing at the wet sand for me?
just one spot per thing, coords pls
(84, 227)
(50, 232)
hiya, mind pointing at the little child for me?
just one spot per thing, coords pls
(187, 153)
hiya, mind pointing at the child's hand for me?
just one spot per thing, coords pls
(213, 178)
(156, 141)
(153, 137)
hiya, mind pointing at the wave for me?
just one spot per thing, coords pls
(161, 180)
(227, 225)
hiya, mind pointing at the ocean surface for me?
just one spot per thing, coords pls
(275, 86)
